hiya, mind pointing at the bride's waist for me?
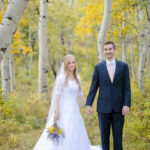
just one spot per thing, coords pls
(68, 103)
(68, 107)
(69, 97)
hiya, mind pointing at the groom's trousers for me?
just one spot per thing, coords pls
(116, 120)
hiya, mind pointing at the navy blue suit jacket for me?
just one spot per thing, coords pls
(112, 96)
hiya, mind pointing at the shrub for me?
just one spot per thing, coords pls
(21, 114)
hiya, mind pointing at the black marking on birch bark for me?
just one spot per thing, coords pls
(46, 1)
(3, 49)
(45, 86)
(44, 17)
(44, 91)
(38, 12)
(14, 31)
(45, 70)
(148, 17)
(9, 18)
(142, 35)
(62, 38)
(6, 79)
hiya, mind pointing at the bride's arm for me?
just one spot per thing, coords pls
(56, 116)
(82, 99)
(59, 90)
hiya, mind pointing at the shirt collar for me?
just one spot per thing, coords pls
(113, 61)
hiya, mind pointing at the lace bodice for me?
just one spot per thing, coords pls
(72, 87)
(68, 94)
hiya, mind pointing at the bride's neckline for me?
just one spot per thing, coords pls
(71, 79)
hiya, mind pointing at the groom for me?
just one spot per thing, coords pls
(112, 78)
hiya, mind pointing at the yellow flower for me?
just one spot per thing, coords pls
(60, 131)
(51, 129)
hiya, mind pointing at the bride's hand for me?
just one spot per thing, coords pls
(56, 116)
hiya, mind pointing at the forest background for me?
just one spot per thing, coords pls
(50, 29)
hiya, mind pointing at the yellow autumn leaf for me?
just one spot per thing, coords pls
(17, 35)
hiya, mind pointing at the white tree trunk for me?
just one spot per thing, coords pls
(11, 65)
(5, 67)
(141, 68)
(5, 75)
(124, 49)
(68, 34)
(148, 38)
(70, 3)
(111, 34)
(9, 1)
(68, 42)
(144, 51)
(25, 62)
(141, 34)
(43, 49)
(132, 66)
(2, 5)
(31, 54)
(104, 28)
(72, 48)
(124, 40)
(147, 63)
(9, 24)
(72, 43)
(12, 72)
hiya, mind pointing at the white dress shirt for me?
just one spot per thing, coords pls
(113, 64)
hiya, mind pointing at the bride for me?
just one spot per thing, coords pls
(64, 110)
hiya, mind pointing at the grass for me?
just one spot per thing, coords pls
(26, 141)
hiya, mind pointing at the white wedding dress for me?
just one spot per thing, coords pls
(70, 120)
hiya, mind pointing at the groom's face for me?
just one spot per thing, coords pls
(109, 51)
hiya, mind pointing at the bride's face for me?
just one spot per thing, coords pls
(71, 65)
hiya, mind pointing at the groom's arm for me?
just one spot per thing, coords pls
(127, 88)
(93, 88)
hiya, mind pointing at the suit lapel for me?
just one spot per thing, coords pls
(116, 70)
(106, 71)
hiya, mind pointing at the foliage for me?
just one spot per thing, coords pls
(137, 126)
(21, 114)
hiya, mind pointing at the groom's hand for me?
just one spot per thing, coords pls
(89, 110)
(125, 110)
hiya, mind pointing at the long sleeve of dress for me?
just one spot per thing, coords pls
(60, 86)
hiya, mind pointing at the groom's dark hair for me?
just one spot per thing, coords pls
(110, 42)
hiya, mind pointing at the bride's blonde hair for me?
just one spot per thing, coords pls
(67, 59)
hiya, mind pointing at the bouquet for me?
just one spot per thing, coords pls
(54, 133)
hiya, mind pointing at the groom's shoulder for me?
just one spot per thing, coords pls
(100, 64)
(122, 63)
